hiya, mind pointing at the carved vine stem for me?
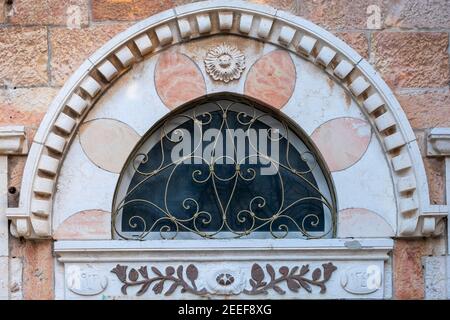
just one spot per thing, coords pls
(177, 281)
(294, 281)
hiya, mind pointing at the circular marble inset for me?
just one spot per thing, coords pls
(85, 225)
(178, 79)
(272, 79)
(342, 141)
(107, 143)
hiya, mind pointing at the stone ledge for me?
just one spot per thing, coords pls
(438, 142)
(123, 250)
(13, 140)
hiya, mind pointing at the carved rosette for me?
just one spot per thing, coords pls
(224, 63)
(225, 281)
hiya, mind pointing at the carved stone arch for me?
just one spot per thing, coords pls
(179, 26)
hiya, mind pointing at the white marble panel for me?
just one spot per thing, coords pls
(133, 99)
(353, 191)
(318, 98)
(82, 186)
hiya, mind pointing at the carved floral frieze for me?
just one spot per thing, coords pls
(263, 280)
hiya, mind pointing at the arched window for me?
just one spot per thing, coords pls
(224, 167)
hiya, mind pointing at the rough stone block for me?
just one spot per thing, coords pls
(24, 56)
(337, 14)
(417, 14)
(127, 10)
(37, 268)
(412, 59)
(25, 106)
(73, 13)
(408, 273)
(435, 270)
(71, 47)
(357, 41)
(426, 110)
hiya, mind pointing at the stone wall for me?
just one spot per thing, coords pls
(43, 42)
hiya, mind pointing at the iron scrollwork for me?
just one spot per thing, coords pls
(295, 279)
(309, 212)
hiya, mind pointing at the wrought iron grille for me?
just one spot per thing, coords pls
(224, 168)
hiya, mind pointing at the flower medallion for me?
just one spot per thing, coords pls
(225, 281)
(224, 63)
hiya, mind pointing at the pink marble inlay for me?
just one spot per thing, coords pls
(272, 79)
(108, 143)
(360, 222)
(178, 80)
(342, 141)
(85, 225)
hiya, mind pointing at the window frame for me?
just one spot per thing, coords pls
(152, 137)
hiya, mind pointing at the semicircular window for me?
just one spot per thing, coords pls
(224, 168)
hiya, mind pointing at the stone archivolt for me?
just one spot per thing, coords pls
(416, 217)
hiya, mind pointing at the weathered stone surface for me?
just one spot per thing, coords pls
(356, 40)
(37, 267)
(72, 13)
(408, 273)
(435, 171)
(272, 79)
(337, 14)
(15, 278)
(71, 47)
(127, 9)
(23, 58)
(16, 165)
(417, 14)
(108, 143)
(178, 79)
(25, 106)
(2, 12)
(407, 59)
(426, 110)
(286, 5)
(342, 141)
(85, 225)
(435, 277)
(436, 246)
(22, 106)
(4, 278)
